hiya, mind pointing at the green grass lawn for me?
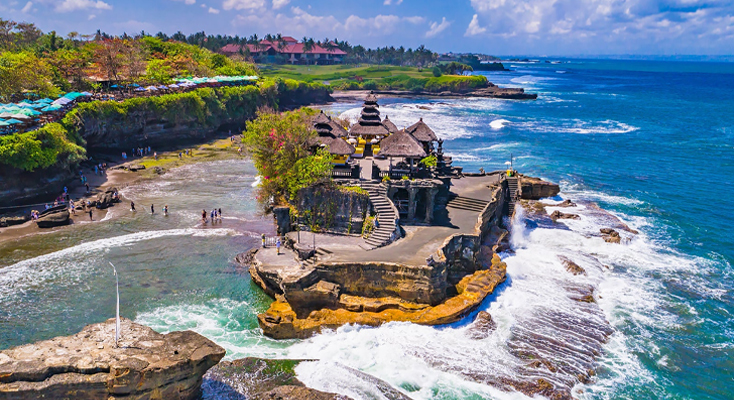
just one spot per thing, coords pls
(337, 73)
(381, 77)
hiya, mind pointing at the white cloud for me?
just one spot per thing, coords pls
(388, 2)
(437, 28)
(415, 20)
(189, 2)
(474, 27)
(72, 5)
(280, 4)
(213, 10)
(91, 17)
(243, 4)
(607, 26)
(27, 8)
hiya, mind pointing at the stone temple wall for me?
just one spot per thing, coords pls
(326, 208)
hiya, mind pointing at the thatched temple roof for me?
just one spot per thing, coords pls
(392, 128)
(401, 144)
(340, 147)
(422, 132)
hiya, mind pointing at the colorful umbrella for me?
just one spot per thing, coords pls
(13, 121)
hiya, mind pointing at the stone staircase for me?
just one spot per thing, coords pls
(320, 252)
(466, 203)
(385, 215)
(514, 186)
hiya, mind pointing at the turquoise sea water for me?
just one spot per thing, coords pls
(650, 142)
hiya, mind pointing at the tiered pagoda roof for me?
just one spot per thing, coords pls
(330, 134)
(369, 122)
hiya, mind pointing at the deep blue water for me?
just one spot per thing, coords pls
(650, 142)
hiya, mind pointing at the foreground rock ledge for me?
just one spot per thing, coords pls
(280, 321)
(147, 365)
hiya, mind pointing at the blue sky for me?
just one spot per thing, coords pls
(502, 27)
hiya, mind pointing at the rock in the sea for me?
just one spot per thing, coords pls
(263, 379)
(136, 167)
(566, 203)
(536, 189)
(87, 365)
(58, 218)
(10, 221)
(556, 215)
(610, 235)
(571, 266)
(482, 327)
(107, 199)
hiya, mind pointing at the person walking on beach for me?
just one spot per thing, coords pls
(155, 155)
(152, 209)
(203, 216)
(90, 215)
(165, 210)
(277, 245)
(73, 207)
(263, 238)
(87, 186)
(132, 206)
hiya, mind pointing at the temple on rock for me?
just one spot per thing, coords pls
(397, 234)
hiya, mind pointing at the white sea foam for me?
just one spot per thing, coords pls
(499, 123)
(17, 278)
(257, 182)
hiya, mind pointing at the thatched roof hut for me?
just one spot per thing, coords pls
(336, 129)
(401, 144)
(369, 123)
(325, 126)
(391, 127)
(422, 132)
(340, 147)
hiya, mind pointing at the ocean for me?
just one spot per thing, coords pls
(650, 143)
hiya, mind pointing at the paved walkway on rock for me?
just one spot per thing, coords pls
(422, 241)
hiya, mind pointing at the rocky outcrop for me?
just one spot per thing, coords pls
(556, 215)
(281, 321)
(107, 198)
(18, 187)
(88, 365)
(260, 379)
(482, 327)
(10, 221)
(610, 235)
(571, 266)
(57, 218)
(536, 189)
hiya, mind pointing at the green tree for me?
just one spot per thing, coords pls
(159, 71)
(279, 145)
(23, 71)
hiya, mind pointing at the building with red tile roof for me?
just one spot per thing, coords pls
(288, 50)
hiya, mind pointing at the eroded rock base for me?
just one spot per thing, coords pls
(88, 365)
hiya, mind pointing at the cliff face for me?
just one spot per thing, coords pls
(22, 187)
(87, 365)
(332, 209)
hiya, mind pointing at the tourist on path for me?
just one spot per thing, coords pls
(277, 245)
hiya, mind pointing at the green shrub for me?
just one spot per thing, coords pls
(42, 148)
(436, 72)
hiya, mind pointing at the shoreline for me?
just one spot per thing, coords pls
(119, 176)
(493, 92)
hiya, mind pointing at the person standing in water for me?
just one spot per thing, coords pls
(203, 216)
(132, 206)
(219, 213)
(165, 210)
(152, 209)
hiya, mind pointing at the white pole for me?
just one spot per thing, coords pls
(117, 309)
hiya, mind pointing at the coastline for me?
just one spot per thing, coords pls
(120, 175)
(488, 92)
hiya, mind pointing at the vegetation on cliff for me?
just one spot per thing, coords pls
(279, 146)
(61, 144)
